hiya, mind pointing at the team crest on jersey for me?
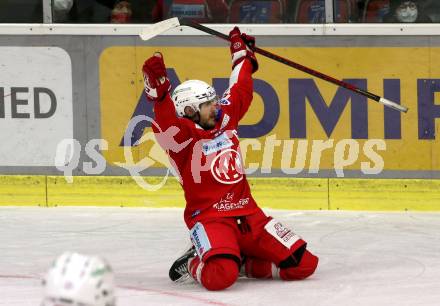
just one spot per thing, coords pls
(219, 143)
(227, 167)
(225, 101)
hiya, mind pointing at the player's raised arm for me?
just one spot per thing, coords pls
(244, 63)
(157, 88)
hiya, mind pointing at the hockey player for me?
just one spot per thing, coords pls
(199, 133)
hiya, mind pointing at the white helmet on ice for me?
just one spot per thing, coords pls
(76, 279)
(192, 93)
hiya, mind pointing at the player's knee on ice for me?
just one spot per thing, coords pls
(219, 273)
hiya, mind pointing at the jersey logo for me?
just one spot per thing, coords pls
(225, 98)
(225, 121)
(225, 101)
(219, 143)
(227, 167)
(227, 203)
(281, 233)
(200, 239)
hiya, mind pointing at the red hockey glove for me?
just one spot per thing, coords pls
(156, 82)
(242, 46)
(249, 41)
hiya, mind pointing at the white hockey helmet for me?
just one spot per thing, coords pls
(76, 279)
(192, 93)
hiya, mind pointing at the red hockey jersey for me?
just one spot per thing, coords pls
(209, 162)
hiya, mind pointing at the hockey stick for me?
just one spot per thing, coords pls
(159, 27)
(175, 22)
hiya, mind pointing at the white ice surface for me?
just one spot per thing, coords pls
(366, 259)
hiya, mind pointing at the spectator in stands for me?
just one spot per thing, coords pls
(61, 10)
(203, 11)
(121, 12)
(404, 11)
(104, 11)
(131, 11)
(261, 11)
(81, 11)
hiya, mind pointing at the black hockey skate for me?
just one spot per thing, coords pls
(179, 270)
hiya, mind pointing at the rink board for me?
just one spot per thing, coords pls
(289, 106)
(384, 194)
(277, 193)
(23, 190)
(111, 191)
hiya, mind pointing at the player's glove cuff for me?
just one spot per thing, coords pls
(238, 57)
